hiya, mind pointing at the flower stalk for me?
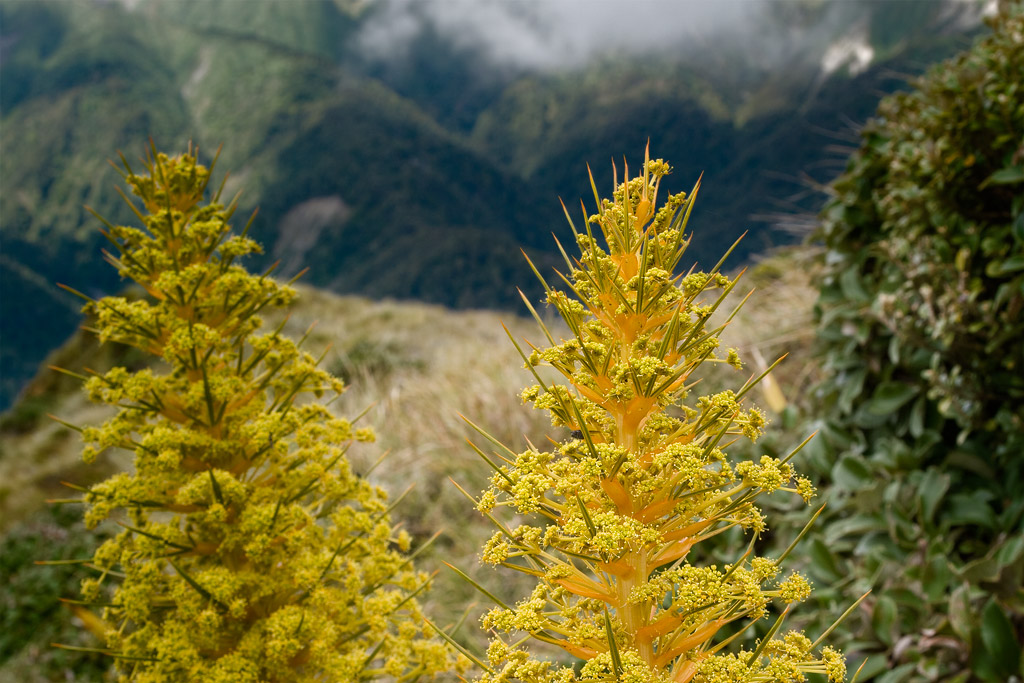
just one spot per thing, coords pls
(249, 550)
(614, 515)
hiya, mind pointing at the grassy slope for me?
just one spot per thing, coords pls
(418, 368)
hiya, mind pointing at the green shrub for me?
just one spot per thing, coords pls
(921, 326)
(30, 609)
(249, 550)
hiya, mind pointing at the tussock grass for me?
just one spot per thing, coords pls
(434, 367)
(414, 369)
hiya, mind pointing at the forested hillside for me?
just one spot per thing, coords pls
(414, 171)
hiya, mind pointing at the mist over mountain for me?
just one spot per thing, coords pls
(553, 35)
(570, 34)
(409, 149)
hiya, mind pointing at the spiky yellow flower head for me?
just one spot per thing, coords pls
(619, 506)
(250, 551)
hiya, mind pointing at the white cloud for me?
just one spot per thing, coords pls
(553, 33)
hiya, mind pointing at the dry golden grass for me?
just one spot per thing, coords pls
(415, 370)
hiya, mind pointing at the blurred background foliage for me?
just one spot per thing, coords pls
(31, 614)
(921, 341)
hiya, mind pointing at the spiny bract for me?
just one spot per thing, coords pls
(250, 551)
(642, 479)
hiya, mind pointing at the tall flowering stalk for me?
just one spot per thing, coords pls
(643, 478)
(250, 552)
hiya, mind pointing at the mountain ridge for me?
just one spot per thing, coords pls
(437, 205)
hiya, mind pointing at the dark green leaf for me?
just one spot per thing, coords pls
(916, 421)
(1000, 640)
(936, 580)
(857, 525)
(890, 396)
(1005, 267)
(970, 509)
(970, 462)
(853, 289)
(904, 672)
(932, 488)
(883, 619)
(875, 665)
(852, 473)
(981, 569)
(823, 562)
(1006, 176)
(894, 350)
(1010, 552)
(852, 385)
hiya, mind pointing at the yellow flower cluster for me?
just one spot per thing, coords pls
(643, 477)
(250, 551)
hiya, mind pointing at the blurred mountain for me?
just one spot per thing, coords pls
(402, 149)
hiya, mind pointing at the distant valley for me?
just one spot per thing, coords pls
(419, 175)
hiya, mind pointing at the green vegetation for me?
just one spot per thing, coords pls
(920, 323)
(104, 78)
(31, 614)
(249, 550)
(439, 159)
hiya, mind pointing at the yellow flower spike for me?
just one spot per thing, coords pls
(250, 551)
(645, 477)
